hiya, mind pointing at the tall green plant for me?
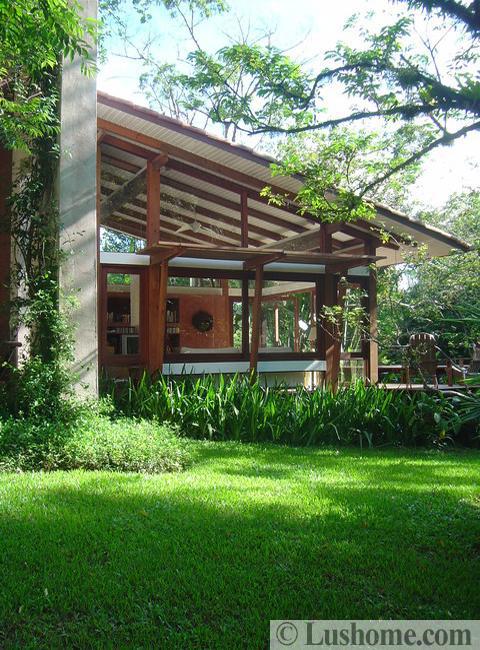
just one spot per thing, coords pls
(234, 408)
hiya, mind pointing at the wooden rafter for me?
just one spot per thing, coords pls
(284, 222)
(209, 214)
(188, 156)
(125, 194)
(304, 242)
(129, 147)
(228, 185)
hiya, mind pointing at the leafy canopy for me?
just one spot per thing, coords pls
(34, 35)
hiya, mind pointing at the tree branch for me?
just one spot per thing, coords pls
(447, 138)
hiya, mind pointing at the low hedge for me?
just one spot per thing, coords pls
(93, 442)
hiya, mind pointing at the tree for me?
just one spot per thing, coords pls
(437, 295)
(34, 36)
(392, 79)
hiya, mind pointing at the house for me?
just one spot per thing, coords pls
(225, 282)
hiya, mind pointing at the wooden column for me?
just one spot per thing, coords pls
(327, 341)
(372, 343)
(244, 218)
(256, 318)
(157, 304)
(332, 356)
(157, 273)
(153, 202)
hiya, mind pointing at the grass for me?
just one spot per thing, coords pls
(204, 558)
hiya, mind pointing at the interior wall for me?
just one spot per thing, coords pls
(217, 306)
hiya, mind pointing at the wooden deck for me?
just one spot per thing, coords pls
(413, 388)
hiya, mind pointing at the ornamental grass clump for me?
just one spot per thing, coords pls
(236, 408)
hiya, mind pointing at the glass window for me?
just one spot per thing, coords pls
(287, 316)
(123, 314)
(353, 319)
(204, 316)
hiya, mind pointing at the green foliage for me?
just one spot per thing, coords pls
(92, 442)
(418, 84)
(238, 409)
(33, 37)
(41, 387)
(439, 295)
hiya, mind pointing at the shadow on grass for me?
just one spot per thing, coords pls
(205, 559)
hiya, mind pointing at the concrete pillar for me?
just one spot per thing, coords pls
(77, 201)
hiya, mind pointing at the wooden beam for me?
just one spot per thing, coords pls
(256, 319)
(188, 156)
(303, 242)
(124, 194)
(113, 161)
(167, 226)
(232, 205)
(211, 198)
(231, 186)
(157, 309)
(262, 260)
(372, 346)
(199, 212)
(166, 255)
(129, 147)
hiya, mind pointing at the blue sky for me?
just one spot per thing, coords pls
(308, 27)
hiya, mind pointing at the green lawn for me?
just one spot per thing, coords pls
(204, 558)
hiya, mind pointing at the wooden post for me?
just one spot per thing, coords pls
(332, 356)
(158, 273)
(256, 318)
(153, 203)
(157, 308)
(244, 218)
(328, 344)
(372, 343)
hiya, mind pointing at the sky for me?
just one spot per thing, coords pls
(307, 27)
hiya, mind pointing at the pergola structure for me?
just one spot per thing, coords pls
(196, 201)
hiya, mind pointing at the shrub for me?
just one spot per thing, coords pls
(236, 409)
(93, 442)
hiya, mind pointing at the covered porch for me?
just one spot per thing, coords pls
(223, 281)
